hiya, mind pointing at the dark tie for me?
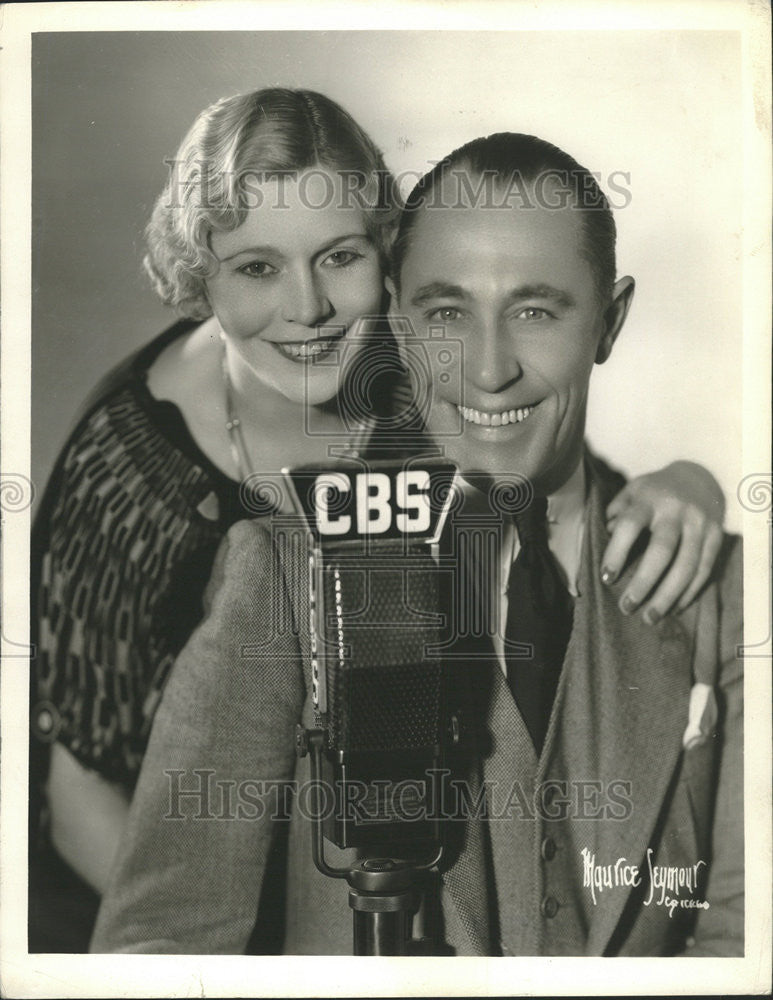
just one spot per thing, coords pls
(539, 614)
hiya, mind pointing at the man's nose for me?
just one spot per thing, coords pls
(491, 358)
(305, 298)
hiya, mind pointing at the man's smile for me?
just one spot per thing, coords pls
(495, 418)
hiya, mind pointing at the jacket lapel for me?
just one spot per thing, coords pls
(622, 714)
(485, 854)
(510, 769)
(466, 867)
(468, 875)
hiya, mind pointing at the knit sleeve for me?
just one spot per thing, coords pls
(118, 529)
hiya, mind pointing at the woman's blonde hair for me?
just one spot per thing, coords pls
(240, 141)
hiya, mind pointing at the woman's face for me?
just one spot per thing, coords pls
(293, 280)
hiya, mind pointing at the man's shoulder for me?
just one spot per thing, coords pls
(603, 476)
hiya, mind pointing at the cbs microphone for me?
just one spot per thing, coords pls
(378, 610)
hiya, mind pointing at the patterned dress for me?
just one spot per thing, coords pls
(122, 548)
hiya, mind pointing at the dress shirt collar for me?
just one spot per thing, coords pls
(566, 531)
(566, 520)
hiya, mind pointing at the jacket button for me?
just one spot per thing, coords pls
(549, 907)
(548, 848)
(554, 803)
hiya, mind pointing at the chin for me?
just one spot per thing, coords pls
(316, 390)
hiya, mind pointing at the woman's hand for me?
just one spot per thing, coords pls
(683, 507)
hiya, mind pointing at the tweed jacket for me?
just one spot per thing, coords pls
(625, 837)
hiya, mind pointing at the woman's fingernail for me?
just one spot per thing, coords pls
(627, 605)
(607, 575)
(652, 617)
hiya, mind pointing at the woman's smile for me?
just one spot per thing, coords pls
(305, 352)
(295, 278)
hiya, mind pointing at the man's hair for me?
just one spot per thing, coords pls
(518, 164)
(241, 141)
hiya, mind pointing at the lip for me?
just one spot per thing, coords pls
(493, 421)
(306, 352)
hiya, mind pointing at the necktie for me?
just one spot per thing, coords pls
(539, 614)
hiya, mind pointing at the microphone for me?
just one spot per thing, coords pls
(378, 612)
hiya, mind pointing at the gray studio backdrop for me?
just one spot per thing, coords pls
(661, 107)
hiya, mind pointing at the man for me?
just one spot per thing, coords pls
(510, 245)
(610, 760)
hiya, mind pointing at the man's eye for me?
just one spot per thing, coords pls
(533, 313)
(257, 269)
(340, 258)
(445, 314)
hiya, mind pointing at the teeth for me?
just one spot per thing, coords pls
(501, 419)
(308, 349)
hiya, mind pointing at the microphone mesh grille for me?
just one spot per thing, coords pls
(384, 692)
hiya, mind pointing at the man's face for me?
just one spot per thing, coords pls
(511, 285)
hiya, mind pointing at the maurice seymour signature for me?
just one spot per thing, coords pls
(666, 882)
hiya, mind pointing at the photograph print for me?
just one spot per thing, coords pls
(389, 495)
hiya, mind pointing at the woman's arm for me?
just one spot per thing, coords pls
(188, 874)
(75, 792)
(683, 508)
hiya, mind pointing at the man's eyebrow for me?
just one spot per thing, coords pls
(258, 250)
(437, 290)
(542, 291)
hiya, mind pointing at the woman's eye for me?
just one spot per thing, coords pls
(445, 314)
(257, 269)
(340, 258)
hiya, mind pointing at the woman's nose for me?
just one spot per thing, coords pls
(305, 300)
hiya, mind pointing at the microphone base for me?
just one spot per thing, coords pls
(383, 901)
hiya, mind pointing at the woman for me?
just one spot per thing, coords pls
(271, 238)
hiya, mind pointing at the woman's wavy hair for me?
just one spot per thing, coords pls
(232, 145)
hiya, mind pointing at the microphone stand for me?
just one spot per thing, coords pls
(382, 891)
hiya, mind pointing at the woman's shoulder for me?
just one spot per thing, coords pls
(124, 423)
(128, 441)
(188, 374)
(121, 392)
(182, 363)
(133, 367)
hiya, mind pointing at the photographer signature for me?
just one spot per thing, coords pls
(671, 886)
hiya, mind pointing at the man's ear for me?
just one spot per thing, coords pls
(614, 317)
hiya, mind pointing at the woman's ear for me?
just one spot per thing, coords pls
(614, 317)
